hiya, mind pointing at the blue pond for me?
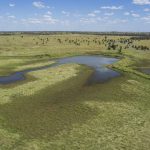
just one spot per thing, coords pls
(98, 63)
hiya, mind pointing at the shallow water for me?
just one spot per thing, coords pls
(146, 71)
(98, 63)
(101, 72)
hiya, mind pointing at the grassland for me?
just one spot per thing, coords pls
(55, 110)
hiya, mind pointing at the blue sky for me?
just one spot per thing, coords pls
(75, 15)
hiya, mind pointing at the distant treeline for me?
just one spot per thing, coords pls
(146, 37)
(139, 35)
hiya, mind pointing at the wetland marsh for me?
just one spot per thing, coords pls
(55, 108)
(98, 63)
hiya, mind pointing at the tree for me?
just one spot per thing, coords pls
(120, 50)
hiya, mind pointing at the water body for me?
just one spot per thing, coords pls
(98, 63)
(145, 70)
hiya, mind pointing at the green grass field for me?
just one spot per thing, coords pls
(53, 109)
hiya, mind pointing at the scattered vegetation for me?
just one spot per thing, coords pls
(56, 110)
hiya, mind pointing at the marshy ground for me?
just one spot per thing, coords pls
(55, 109)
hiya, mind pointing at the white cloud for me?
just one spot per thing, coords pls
(49, 13)
(126, 13)
(112, 7)
(11, 5)
(77, 15)
(117, 21)
(141, 2)
(46, 16)
(49, 19)
(146, 19)
(34, 21)
(96, 11)
(65, 22)
(38, 4)
(45, 19)
(11, 17)
(135, 15)
(146, 9)
(132, 13)
(109, 14)
(65, 13)
(99, 19)
(91, 15)
(93, 20)
(88, 20)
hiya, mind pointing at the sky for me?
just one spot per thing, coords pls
(75, 15)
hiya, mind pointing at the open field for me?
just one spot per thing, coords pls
(53, 109)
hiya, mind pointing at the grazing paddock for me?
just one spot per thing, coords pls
(54, 108)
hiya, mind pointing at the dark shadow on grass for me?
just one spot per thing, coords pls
(50, 111)
(143, 66)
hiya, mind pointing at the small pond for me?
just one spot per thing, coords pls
(145, 70)
(98, 63)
